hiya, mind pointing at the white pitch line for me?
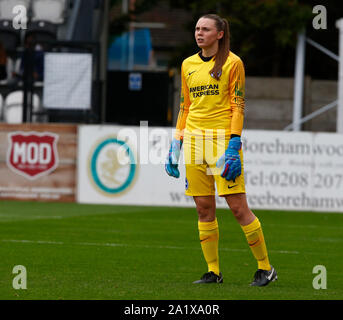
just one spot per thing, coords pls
(135, 246)
(34, 241)
(25, 218)
(308, 226)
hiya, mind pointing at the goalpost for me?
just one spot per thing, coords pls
(299, 82)
(339, 25)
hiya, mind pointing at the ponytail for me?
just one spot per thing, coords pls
(223, 44)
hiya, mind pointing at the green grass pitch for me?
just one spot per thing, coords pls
(73, 251)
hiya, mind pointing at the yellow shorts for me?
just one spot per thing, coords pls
(202, 175)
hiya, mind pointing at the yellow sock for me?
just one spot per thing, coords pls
(254, 235)
(209, 235)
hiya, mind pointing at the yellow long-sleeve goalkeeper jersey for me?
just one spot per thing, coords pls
(207, 103)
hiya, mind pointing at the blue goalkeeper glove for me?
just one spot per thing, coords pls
(172, 161)
(231, 160)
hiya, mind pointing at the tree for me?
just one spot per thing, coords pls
(119, 22)
(263, 32)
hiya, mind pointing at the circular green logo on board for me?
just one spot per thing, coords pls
(112, 166)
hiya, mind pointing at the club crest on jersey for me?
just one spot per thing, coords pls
(219, 73)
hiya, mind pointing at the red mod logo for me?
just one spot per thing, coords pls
(32, 154)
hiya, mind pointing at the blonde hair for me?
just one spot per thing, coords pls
(223, 44)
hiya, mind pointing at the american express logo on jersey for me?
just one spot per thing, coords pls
(208, 90)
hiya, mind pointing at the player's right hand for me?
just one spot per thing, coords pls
(172, 161)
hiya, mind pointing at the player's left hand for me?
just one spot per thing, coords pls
(231, 160)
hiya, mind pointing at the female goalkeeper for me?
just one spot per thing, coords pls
(209, 126)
